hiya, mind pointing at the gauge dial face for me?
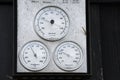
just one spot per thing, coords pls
(34, 56)
(68, 56)
(51, 23)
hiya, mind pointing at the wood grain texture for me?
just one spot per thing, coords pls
(96, 43)
(110, 36)
(6, 0)
(6, 23)
(104, 1)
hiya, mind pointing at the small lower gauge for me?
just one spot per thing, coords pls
(34, 56)
(68, 56)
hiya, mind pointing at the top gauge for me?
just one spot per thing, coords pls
(51, 23)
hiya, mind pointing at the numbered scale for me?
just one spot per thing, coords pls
(34, 56)
(51, 38)
(68, 56)
(51, 23)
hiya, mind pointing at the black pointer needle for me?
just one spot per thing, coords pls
(34, 53)
(66, 54)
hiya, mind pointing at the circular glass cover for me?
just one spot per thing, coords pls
(51, 23)
(68, 56)
(34, 56)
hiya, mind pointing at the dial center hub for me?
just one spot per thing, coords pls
(52, 21)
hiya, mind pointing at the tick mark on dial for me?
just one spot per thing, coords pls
(43, 57)
(51, 12)
(26, 57)
(46, 13)
(29, 61)
(57, 14)
(61, 18)
(43, 28)
(62, 22)
(41, 61)
(75, 61)
(26, 52)
(41, 22)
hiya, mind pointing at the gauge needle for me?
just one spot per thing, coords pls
(67, 54)
(52, 22)
(35, 55)
(46, 20)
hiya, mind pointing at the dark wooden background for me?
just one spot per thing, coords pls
(105, 26)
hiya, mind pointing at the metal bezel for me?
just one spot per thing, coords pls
(22, 61)
(81, 54)
(40, 35)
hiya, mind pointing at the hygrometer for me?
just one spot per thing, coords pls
(68, 56)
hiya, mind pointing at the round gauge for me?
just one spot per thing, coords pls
(68, 56)
(34, 56)
(51, 23)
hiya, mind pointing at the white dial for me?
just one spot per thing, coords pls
(51, 23)
(34, 56)
(68, 56)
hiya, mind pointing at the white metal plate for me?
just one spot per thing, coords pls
(27, 10)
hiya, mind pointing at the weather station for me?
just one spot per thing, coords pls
(51, 39)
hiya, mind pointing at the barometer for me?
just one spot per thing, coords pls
(51, 23)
